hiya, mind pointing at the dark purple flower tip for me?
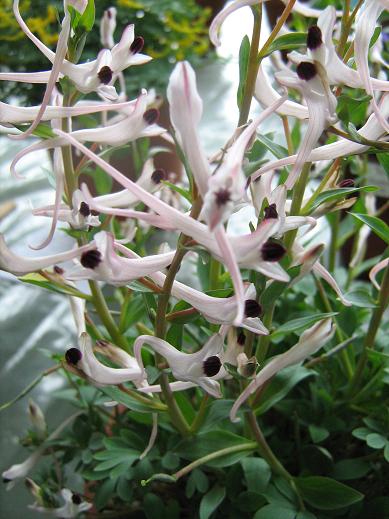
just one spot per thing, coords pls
(347, 182)
(58, 270)
(222, 197)
(270, 212)
(76, 499)
(211, 366)
(272, 251)
(158, 175)
(84, 209)
(91, 259)
(93, 212)
(137, 45)
(241, 338)
(109, 14)
(6, 480)
(151, 116)
(252, 308)
(105, 75)
(314, 37)
(306, 70)
(73, 356)
(102, 343)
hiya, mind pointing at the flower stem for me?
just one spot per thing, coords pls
(297, 200)
(249, 446)
(201, 413)
(175, 412)
(105, 315)
(269, 456)
(383, 301)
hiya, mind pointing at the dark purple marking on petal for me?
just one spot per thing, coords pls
(73, 356)
(211, 366)
(306, 70)
(105, 75)
(158, 175)
(252, 308)
(314, 37)
(91, 259)
(272, 251)
(151, 116)
(270, 212)
(137, 45)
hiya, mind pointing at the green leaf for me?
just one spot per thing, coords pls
(299, 324)
(375, 441)
(332, 195)
(291, 41)
(257, 474)
(351, 469)
(211, 500)
(377, 225)
(326, 493)
(104, 493)
(361, 433)
(183, 192)
(37, 279)
(278, 151)
(383, 159)
(360, 297)
(318, 434)
(280, 386)
(305, 515)
(275, 511)
(87, 19)
(386, 452)
(244, 52)
(114, 393)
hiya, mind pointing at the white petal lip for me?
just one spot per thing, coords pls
(186, 109)
(118, 270)
(185, 366)
(219, 19)
(107, 27)
(310, 342)
(20, 265)
(320, 111)
(364, 29)
(21, 114)
(371, 130)
(62, 47)
(266, 95)
(215, 309)
(79, 5)
(100, 374)
(376, 269)
(338, 72)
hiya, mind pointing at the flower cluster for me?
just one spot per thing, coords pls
(276, 250)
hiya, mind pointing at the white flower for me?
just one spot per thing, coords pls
(73, 506)
(192, 367)
(310, 341)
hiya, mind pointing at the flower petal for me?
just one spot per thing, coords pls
(310, 341)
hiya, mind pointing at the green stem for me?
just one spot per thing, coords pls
(307, 207)
(264, 449)
(175, 412)
(278, 26)
(253, 66)
(105, 315)
(214, 273)
(67, 157)
(249, 446)
(269, 456)
(334, 242)
(297, 200)
(264, 341)
(344, 354)
(201, 413)
(383, 300)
